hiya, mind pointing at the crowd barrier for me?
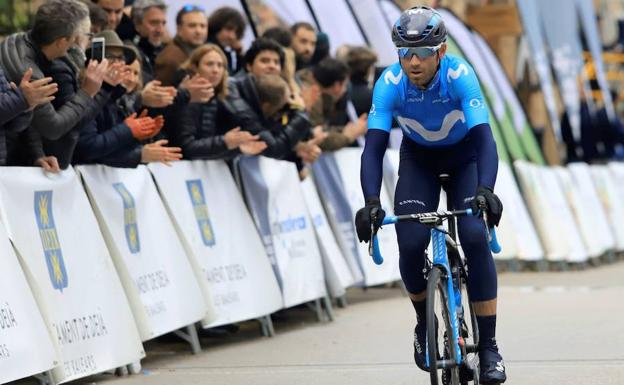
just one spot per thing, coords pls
(95, 269)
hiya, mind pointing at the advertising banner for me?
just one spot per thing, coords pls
(70, 271)
(152, 264)
(212, 221)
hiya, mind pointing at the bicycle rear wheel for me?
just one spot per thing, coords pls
(441, 351)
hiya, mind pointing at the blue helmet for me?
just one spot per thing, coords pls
(419, 27)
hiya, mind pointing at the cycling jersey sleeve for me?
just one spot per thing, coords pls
(371, 168)
(487, 156)
(384, 98)
(466, 88)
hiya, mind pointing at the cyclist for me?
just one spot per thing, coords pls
(437, 102)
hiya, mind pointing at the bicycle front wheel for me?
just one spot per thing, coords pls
(441, 350)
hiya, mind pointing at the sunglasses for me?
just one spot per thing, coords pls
(192, 8)
(420, 52)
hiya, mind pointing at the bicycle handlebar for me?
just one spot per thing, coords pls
(429, 219)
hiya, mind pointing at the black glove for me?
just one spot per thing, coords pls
(493, 205)
(364, 216)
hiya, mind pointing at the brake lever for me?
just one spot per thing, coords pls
(374, 213)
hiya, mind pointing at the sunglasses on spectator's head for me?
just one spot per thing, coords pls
(193, 8)
(419, 52)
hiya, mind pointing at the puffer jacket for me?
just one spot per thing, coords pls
(18, 53)
(281, 133)
(13, 115)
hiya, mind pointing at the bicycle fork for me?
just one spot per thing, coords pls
(440, 258)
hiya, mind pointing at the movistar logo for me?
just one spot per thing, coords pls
(130, 218)
(198, 199)
(50, 240)
(449, 122)
(389, 77)
(455, 74)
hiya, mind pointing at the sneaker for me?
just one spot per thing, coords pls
(420, 344)
(492, 366)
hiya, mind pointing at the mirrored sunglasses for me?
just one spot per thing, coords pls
(420, 52)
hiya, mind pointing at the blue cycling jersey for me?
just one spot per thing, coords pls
(440, 115)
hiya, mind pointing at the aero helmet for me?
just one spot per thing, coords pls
(419, 27)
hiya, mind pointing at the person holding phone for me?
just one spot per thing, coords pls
(57, 26)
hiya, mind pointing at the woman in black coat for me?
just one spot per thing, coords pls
(211, 130)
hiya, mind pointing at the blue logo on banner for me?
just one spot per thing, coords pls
(49, 240)
(196, 192)
(130, 219)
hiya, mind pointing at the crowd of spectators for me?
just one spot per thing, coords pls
(156, 98)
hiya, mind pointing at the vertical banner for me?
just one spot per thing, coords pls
(585, 11)
(274, 195)
(372, 19)
(70, 271)
(25, 344)
(212, 221)
(337, 272)
(531, 19)
(348, 162)
(561, 29)
(333, 195)
(155, 270)
(521, 124)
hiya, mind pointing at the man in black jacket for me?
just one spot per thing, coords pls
(16, 104)
(58, 25)
(149, 18)
(263, 110)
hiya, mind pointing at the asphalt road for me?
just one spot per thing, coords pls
(554, 328)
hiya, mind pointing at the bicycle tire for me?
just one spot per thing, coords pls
(438, 346)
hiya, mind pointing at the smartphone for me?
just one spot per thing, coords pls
(97, 49)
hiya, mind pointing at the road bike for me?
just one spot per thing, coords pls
(452, 345)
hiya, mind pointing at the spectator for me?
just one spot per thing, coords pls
(64, 72)
(57, 26)
(98, 17)
(361, 62)
(16, 102)
(264, 57)
(192, 31)
(114, 10)
(150, 18)
(226, 29)
(264, 109)
(281, 35)
(210, 130)
(321, 50)
(117, 136)
(303, 43)
(332, 76)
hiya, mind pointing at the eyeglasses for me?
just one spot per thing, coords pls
(420, 52)
(193, 8)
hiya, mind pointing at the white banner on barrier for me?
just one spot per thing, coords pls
(25, 344)
(337, 271)
(612, 200)
(551, 213)
(70, 271)
(597, 222)
(152, 264)
(348, 161)
(274, 195)
(216, 228)
(517, 233)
